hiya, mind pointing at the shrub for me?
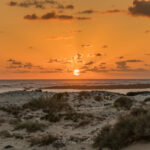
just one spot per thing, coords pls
(75, 117)
(98, 98)
(147, 100)
(30, 126)
(84, 95)
(138, 111)
(55, 104)
(52, 117)
(126, 131)
(44, 140)
(5, 134)
(123, 103)
(14, 110)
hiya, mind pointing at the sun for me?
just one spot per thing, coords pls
(76, 72)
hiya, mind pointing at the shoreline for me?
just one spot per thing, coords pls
(104, 87)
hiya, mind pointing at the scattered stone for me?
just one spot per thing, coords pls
(8, 147)
(59, 144)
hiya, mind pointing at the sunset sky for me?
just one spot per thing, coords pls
(49, 39)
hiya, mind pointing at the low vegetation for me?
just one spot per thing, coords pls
(123, 103)
(30, 126)
(147, 100)
(84, 95)
(98, 98)
(54, 104)
(14, 110)
(43, 141)
(76, 117)
(128, 130)
(5, 134)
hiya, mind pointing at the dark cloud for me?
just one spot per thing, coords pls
(70, 7)
(40, 4)
(89, 63)
(65, 17)
(98, 54)
(112, 11)
(121, 57)
(87, 12)
(27, 67)
(50, 15)
(147, 65)
(122, 65)
(13, 64)
(86, 45)
(95, 69)
(147, 54)
(36, 3)
(12, 3)
(140, 8)
(83, 18)
(53, 15)
(57, 70)
(105, 46)
(31, 17)
(54, 61)
(147, 31)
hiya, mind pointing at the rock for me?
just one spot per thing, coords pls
(8, 147)
(38, 90)
(138, 93)
(59, 144)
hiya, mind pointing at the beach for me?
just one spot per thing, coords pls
(80, 117)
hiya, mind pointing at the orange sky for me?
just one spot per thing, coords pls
(49, 39)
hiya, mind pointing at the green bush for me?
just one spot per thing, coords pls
(123, 103)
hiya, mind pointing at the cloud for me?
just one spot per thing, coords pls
(147, 54)
(57, 70)
(54, 60)
(89, 63)
(14, 64)
(122, 65)
(147, 31)
(31, 17)
(140, 8)
(36, 3)
(113, 11)
(105, 46)
(53, 15)
(121, 57)
(98, 54)
(86, 45)
(50, 15)
(90, 11)
(70, 7)
(64, 37)
(147, 65)
(40, 4)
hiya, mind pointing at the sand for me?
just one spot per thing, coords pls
(70, 134)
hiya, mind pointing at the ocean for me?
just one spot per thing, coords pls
(71, 85)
